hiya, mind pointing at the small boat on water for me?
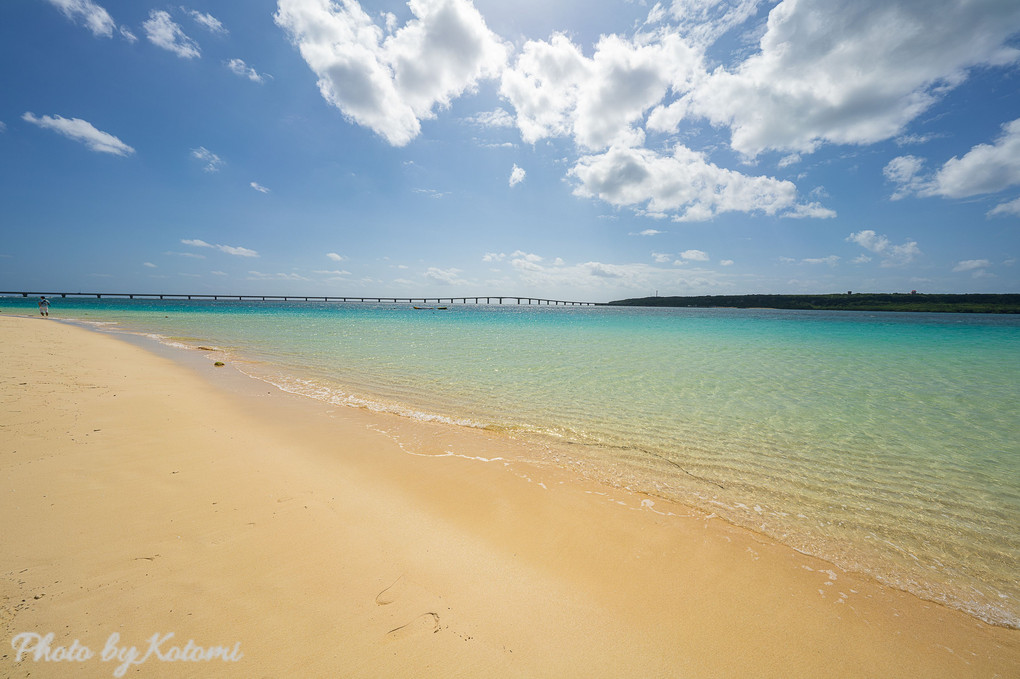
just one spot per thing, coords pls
(440, 308)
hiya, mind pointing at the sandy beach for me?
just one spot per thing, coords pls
(224, 528)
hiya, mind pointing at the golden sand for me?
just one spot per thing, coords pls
(141, 496)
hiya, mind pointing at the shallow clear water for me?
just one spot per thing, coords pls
(887, 443)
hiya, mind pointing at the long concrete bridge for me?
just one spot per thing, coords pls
(489, 299)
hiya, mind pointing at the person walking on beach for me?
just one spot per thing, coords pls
(44, 306)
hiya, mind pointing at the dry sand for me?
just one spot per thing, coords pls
(143, 496)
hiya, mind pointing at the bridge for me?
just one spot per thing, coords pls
(489, 299)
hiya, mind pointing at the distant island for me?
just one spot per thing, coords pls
(850, 301)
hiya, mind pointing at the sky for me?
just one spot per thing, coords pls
(569, 149)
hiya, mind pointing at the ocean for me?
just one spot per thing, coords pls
(886, 443)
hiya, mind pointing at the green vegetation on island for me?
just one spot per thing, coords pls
(966, 304)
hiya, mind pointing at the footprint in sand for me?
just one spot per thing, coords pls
(390, 594)
(424, 623)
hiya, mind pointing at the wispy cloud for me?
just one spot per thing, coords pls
(260, 276)
(258, 187)
(207, 21)
(162, 31)
(213, 162)
(83, 131)
(94, 17)
(335, 257)
(229, 249)
(239, 67)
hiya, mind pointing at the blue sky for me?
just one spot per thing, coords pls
(567, 149)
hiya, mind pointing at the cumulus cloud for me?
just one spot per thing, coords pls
(850, 72)
(162, 31)
(212, 162)
(335, 257)
(390, 81)
(694, 256)
(239, 67)
(600, 101)
(684, 184)
(906, 173)
(229, 249)
(94, 17)
(83, 131)
(971, 265)
(517, 175)
(1009, 208)
(986, 168)
(892, 255)
(445, 276)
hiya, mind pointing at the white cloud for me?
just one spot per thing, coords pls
(389, 82)
(520, 255)
(557, 91)
(650, 232)
(213, 162)
(517, 175)
(95, 18)
(850, 72)
(905, 172)
(126, 33)
(892, 255)
(335, 257)
(163, 32)
(229, 249)
(333, 272)
(445, 276)
(3, 126)
(259, 276)
(218, 273)
(725, 262)
(494, 257)
(971, 265)
(661, 257)
(702, 22)
(986, 168)
(1009, 208)
(83, 131)
(258, 187)
(694, 255)
(239, 67)
(831, 260)
(496, 118)
(684, 184)
(208, 21)
(149, 265)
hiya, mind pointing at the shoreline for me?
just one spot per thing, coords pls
(202, 506)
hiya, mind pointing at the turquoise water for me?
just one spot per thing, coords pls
(886, 443)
